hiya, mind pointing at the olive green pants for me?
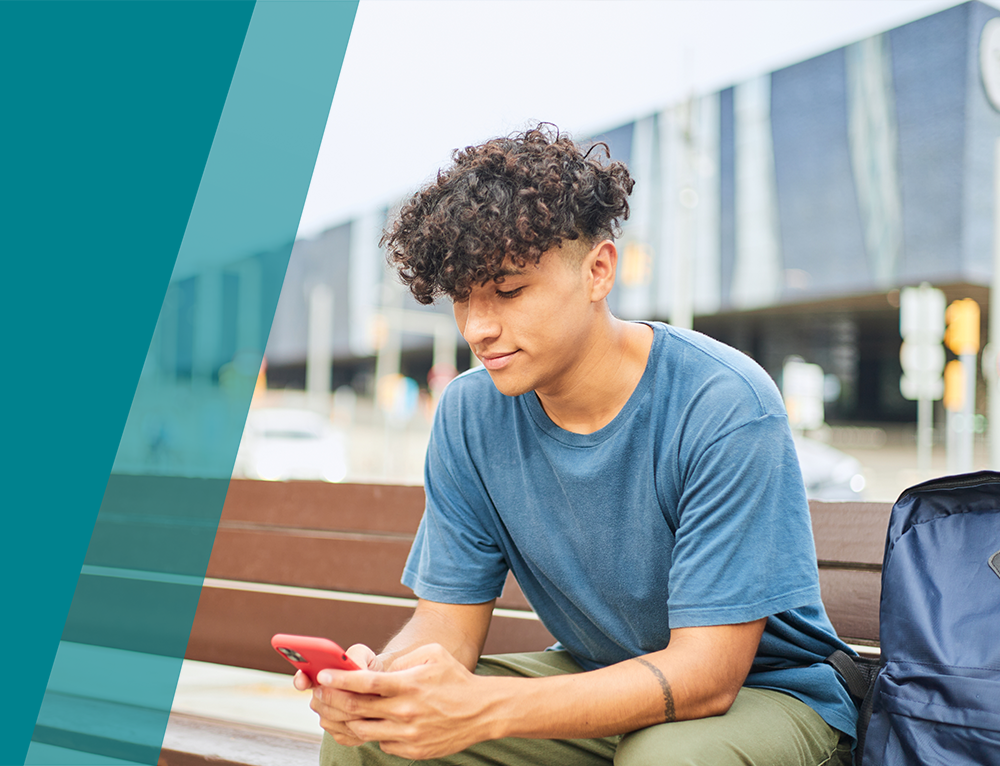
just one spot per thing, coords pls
(763, 727)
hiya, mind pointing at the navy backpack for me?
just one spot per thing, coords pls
(936, 697)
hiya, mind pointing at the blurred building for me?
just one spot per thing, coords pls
(781, 215)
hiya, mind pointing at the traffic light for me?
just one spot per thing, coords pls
(962, 332)
(954, 386)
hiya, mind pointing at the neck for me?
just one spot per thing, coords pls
(599, 382)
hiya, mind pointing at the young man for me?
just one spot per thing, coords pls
(640, 482)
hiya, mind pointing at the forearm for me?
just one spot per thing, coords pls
(684, 681)
(460, 629)
(599, 703)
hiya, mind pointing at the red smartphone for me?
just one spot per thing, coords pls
(311, 655)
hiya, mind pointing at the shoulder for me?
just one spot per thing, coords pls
(473, 380)
(471, 409)
(471, 392)
(703, 371)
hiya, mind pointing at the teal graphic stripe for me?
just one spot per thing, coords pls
(113, 677)
(168, 484)
(138, 592)
(110, 110)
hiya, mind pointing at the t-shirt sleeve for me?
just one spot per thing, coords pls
(744, 547)
(454, 558)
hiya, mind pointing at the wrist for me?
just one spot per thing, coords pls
(500, 706)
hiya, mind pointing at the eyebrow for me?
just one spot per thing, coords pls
(508, 272)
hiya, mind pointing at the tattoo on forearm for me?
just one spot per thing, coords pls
(669, 715)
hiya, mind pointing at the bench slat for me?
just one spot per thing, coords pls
(234, 627)
(319, 505)
(850, 532)
(851, 598)
(332, 561)
(98, 727)
(196, 741)
(364, 564)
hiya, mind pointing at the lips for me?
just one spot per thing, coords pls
(496, 361)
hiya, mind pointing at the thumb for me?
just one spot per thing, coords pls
(364, 657)
(301, 681)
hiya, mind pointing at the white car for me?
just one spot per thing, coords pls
(280, 444)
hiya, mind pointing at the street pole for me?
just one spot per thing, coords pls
(682, 284)
(968, 420)
(921, 324)
(962, 337)
(925, 435)
(319, 347)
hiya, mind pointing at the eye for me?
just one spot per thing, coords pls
(508, 294)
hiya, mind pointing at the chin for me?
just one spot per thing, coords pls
(509, 387)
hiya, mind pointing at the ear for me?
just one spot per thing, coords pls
(601, 264)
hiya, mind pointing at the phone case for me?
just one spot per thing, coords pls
(311, 654)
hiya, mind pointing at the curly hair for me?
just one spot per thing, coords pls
(514, 197)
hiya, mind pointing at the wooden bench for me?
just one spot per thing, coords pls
(325, 559)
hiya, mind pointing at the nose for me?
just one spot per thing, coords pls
(477, 319)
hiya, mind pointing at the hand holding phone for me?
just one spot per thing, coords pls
(311, 654)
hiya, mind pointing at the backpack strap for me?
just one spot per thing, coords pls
(864, 717)
(857, 684)
(859, 674)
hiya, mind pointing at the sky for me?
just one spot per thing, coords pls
(424, 77)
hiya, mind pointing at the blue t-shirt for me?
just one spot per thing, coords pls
(687, 509)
